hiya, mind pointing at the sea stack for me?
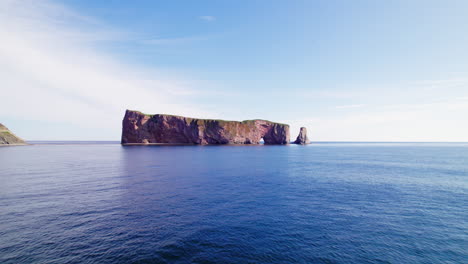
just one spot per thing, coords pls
(139, 128)
(302, 137)
(8, 138)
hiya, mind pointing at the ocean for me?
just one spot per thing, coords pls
(320, 203)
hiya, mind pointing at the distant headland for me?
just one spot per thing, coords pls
(8, 138)
(140, 128)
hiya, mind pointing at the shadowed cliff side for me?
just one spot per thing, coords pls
(139, 128)
(8, 138)
(302, 138)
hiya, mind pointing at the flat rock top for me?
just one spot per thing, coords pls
(204, 119)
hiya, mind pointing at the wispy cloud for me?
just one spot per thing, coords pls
(442, 84)
(172, 41)
(438, 121)
(207, 18)
(51, 71)
(350, 106)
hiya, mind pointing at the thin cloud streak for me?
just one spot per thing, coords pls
(171, 41)
(51, 78)
(412, 122)
(350, 106)
(207, 18)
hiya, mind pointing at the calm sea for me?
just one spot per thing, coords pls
(321, 203)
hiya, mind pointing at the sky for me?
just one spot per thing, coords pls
(346, 70)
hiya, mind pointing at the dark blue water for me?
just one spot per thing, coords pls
(322, 203)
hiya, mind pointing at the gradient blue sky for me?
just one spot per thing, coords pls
(347, 70)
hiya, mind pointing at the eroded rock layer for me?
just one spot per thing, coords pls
(139, 128)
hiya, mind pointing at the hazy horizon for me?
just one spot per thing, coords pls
(361, 71)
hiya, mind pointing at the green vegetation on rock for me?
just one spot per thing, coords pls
(8, 138)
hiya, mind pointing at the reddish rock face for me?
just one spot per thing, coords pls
(302, 138)
(139, 128)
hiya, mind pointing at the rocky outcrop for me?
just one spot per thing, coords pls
(302, 137)
(8, 138)
(139, 128)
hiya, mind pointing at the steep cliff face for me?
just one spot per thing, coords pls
(302, 138)
(8, 138)
(141, 128)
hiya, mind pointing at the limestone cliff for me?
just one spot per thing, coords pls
(141, 128)
(302, 138)
(8, 138)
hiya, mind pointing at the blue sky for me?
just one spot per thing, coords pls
(347, 70)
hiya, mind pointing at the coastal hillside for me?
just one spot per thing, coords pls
(8, 138)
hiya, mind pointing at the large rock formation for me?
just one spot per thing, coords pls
(140, 128)
(8, 138)
(302, 137)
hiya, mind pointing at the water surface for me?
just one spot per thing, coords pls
(321, 203)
